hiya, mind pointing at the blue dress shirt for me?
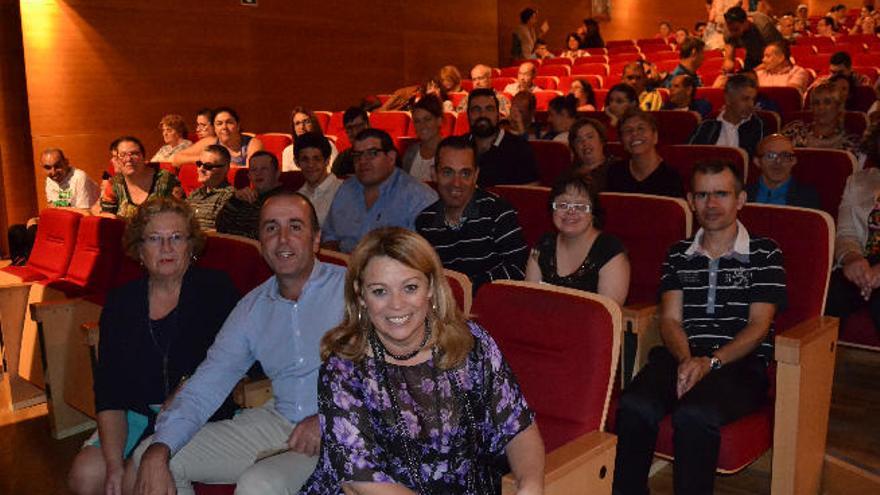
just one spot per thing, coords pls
(772, 196)
(283, 335)
(401, 199)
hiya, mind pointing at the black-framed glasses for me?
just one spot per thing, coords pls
(575, 207)
(208, 166)
(368, 153)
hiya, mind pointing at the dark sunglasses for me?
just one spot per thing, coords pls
(208, 166)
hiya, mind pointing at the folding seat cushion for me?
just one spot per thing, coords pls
(53, 247)
(553, 159)
(858, 331)
(275, 142)
(532, 209)
(547, 334)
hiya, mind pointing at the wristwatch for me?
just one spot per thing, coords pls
(714, 363)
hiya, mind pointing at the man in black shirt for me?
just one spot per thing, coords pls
(751, 34)
(502, 158)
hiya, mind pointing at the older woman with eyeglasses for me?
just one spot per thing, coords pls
(412, 397)
(154, 333)
(136, 182)
(579, 255)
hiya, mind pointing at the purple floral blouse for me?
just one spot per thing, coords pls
(361, 440)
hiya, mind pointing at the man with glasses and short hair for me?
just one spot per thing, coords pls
(481, 75)
(382, 194)
(241, 213)
(354, 120)
(473, 231)
(215, 190)
(775, 158)
(719, 293)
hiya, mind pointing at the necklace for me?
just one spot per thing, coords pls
(408, 355)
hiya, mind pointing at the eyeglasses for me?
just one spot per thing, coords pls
(208, 166)
(128, 154)
(575, 207)
(779, 156)
(369, 153)
(175, 240)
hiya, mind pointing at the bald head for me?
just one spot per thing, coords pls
(481, 75)
(772, 139)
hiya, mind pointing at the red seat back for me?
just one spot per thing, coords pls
(292, 180)
(553, 158)
(395, 123)
(646, 242)
(501, 82)
(97, 254)
(547, 82)
(462, 125)
(771, 120)
(675, 127)
(239, 257)
(188, 175)
(55, 242)
(599, 69)
(542, 98)
(323, 120)
(826, 170)
(275, 143)
(715, 96)
(554, 70)
(532, 209)
(684, 157)
(548, 335)
(789, 99)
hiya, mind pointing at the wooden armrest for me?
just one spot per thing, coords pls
(643, 331)
(637, 317)
(252, 393)
(806, 338)
(584, 465)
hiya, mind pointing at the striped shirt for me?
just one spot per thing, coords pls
(717, 292)
(206, 203)
(487, 245)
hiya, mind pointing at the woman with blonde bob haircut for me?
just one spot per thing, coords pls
(413, 398)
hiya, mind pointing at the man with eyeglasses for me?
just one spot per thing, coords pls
(473, 231)
(215, 190)
(354, 120)
(381, 194)
(719, 292)
(241, 213)
(775, 158)
(481, 76)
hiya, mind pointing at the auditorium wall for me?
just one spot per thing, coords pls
(99, 68)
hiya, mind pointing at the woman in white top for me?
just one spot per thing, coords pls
(174, 135)
(301, 122)
(427, 116)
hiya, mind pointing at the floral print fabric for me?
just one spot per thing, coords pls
(362, 439)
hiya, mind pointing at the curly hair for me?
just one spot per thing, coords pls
(451, 334)
(133, 238)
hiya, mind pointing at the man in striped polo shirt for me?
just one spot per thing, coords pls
(474, 232)
(719, 293)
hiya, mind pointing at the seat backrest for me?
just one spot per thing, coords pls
(553, 158)
(510, 71)
(684, 157)
(530, 203)
(543, 97)
(395, 123)
(827, 171)
(275, 142)
(771, 120)
(547, 82)
(806, 238)
(97, 254)
(239, 257)
(55, 242)
(188, 175)
(334, 257)
(238, 177)
(554, 70)
(562, 345)
(462, 125)
(501, 82)
(447, 127)
(789, 99)
(323, 120)
(462, 289)
(599, 69)
(292, 180)
(668, 220)
(675, 127)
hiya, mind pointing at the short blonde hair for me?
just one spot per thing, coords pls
(448, 327)
(133, 238)
(175, 122)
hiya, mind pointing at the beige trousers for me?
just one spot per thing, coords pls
(225, 452)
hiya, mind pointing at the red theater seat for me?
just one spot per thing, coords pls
(598, 69)
(188, 175)
(594, 81)
(554, 70)
(323, 120)
(789, 99)
(554, 159)
(292, 180)
(275, 142)
(543, 97)
(239, 257)
(684, 157)
(772, 121)
(395, 123)
(715, 96)
(462, 125)
(53, 247)
(576, 328)
(501, 82)
(674, 127)
(533, 212)
(547, 82)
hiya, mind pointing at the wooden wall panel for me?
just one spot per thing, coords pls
(97, 69)
(17, 193)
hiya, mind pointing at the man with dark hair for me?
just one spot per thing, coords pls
(354, 120)
(561, 114)
(699, 29)
(541, 50)
(682, 96)
(825, 27)
(474, 232)
(753, 35)
(526, 33)
(241, 215)
(720, 291)
(690, 59)
(215, 190)
(312, 152)
(775, 158)
(777, 69)
(737, 125)
(271, 449)
(840, 63)
(502, 158)
(382, 194)
(635, 77)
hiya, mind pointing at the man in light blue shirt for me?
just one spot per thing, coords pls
(280, 324)
(380, 195)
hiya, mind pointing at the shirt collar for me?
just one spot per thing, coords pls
(737, 125)
(274, 292)
(471, 210)
(781, 188)
(498, 139)
(740, 250)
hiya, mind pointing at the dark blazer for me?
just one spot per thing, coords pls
(750, 133)
(129, 373)
(798, 194)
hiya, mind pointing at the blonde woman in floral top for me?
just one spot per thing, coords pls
(827, 128)
(136, 182)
